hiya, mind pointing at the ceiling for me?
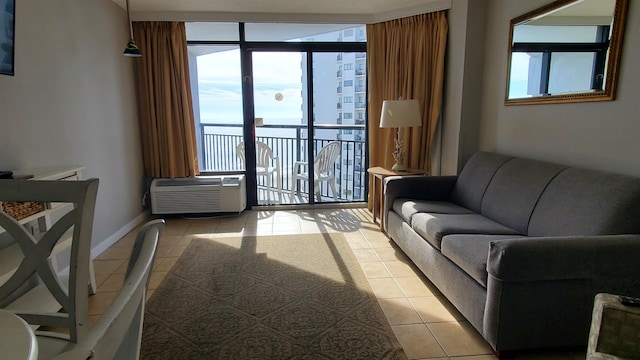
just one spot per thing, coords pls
(322, 11)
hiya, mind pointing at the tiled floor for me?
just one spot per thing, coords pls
(427, 326)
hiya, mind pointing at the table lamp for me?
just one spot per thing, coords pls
(400, 114)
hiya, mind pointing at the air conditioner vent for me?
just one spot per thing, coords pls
(210, 194)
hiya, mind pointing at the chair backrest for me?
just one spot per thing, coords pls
(264, 154)
(77, 224)
(118, 333)
(326, 158)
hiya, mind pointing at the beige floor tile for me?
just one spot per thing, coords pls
(166, 264)
(115, 253)
(112, 283)
(399, 311)
(431, 309)
(156, 279)
(385, 288)
(169, 240)
(374, 270)
(391, 254)
(365, 255)
(202, 229)
(416, 287)
(125, 242)
(163, 250)
(400, 269)
(476, 357)
(107, 266)
(459, 339)
(358, 243)
(380, 242)
(100, 278)
(418, 342)
(176, 251)
(100, 301)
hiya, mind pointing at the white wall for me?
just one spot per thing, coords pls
(72, 102)
(463, 83)
(596, 135)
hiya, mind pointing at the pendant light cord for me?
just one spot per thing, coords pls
(129, 18)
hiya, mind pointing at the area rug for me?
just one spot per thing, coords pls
(267, 297)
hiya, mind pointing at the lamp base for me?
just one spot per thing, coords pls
(399, 167)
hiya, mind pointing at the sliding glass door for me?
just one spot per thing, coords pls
(290, 115)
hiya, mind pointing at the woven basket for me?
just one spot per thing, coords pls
(22, 209)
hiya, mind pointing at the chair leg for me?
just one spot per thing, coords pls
(279, 185)
(316, 185)
(269, 175)
(294, 184)
(332, 184)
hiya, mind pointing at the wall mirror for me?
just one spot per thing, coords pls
(566, 51)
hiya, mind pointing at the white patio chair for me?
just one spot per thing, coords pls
(267, 165)
(323, 170)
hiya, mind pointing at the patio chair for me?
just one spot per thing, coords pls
(323, 170)
(267, 165)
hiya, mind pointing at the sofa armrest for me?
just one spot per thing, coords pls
(436, 188)
(602, 259)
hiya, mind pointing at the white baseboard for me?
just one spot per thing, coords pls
(108, 242)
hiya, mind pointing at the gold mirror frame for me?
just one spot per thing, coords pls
(613, 61)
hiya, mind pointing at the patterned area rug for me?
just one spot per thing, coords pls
(267, 297)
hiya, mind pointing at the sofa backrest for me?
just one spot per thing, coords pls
(585, 202)
(475, 177)
(514, 191)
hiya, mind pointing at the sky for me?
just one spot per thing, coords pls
(220, 87)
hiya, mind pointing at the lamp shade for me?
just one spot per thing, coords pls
(132, 49)
(400, 113)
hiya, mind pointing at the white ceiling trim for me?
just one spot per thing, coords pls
(435, 5)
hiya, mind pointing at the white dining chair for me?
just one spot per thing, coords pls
(323, 170)
(39, 304)
(118, 332)
(267, 165)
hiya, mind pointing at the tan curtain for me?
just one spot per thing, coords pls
(164, 93)
(406, 60)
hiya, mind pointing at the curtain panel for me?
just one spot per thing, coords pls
(164, 94)
(406, 61)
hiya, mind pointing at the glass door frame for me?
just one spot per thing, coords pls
(247, 48)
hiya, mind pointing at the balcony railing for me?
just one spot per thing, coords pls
(218, 144)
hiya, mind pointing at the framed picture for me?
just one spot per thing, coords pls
(7, 36)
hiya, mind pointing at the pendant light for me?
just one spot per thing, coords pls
(131, 49)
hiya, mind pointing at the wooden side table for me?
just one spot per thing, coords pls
(379, 173)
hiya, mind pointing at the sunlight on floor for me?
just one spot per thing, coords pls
(426, 324)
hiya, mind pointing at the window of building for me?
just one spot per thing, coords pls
(348, 83)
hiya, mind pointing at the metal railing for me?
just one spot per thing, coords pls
(218, 143)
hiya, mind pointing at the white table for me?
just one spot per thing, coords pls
(17, 339)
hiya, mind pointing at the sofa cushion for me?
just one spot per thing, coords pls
(409, 207)
(433, 227)
(585, 202)
(475, 177)
(514, 190)
(470, 252)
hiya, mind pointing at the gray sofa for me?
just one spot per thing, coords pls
(520, 247)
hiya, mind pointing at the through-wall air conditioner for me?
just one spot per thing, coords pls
(203, 194)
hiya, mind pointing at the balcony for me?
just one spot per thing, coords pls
(217, 153)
